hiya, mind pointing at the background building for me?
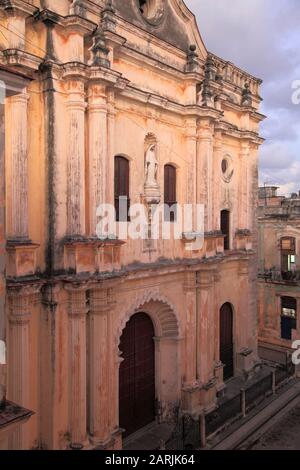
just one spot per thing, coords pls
(125, 101)
(279, 273)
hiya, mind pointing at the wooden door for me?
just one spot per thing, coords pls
(137, 374)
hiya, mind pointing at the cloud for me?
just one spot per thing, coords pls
(262, 37)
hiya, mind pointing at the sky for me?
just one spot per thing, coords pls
(263, 38)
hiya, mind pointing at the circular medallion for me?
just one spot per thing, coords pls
(151, 10)
(227, 168)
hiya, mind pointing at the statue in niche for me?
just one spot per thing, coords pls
(151, 189)
(151, 167)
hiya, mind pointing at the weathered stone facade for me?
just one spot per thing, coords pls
(279, 273)
(109, 79)
(12, 416)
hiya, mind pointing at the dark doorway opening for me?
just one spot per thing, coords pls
(225, 228)
(226, 340)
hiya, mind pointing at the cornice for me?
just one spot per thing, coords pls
(89, 73)
(70, 23)
(243, 109)
(140, 58)
(20, 61)
(11, 7)
(232, 131)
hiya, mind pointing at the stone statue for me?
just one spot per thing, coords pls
(151, 167)
(77, 8)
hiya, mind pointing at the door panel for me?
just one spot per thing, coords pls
(137, 374)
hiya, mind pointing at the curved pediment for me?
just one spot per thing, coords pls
(169, 20)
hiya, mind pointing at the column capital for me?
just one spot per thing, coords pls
(101, 301)
(190, 283)
(18, 8)
(244, 148)
(22, 97)
(77, 302)
(205, 279)
(20, 300)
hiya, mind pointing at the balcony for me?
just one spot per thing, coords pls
(276, 275)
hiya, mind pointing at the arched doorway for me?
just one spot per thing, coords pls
(137, 374)
(226, 340)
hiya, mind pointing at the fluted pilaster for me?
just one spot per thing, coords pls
(191, 154)
(76, 163)
(97, 119)
(77, 365)
(20, 308)
(100, 400)
(204, 169)
(244, 186)
(18, 160)
(205, 325)
(191, 329)
(111, 132)
(217, 159)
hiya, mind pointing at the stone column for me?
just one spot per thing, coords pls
(204, 169)
(97, 119)
(243, 319)
(245, 338)
(20, 301)
(191, 333)
(110, 169)
(100, 400)
(191, 157)
(77, 365)
(76, 162)
(217, 159)
(17, 227)
(244, 186)
(206, 330)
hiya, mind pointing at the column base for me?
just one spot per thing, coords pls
(113, 442)
(92, 255)
(243, 240)
(245, 363)
(199, 398)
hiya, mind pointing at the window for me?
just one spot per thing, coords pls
(122, 201)
(225, 228)
(288, 317)
(288, 256)
(151, 10)
(224, 165)
(227, 168)
(170, 193)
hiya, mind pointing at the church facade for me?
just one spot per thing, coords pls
(124, 105)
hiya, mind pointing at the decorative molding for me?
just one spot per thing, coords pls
(163, 313)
